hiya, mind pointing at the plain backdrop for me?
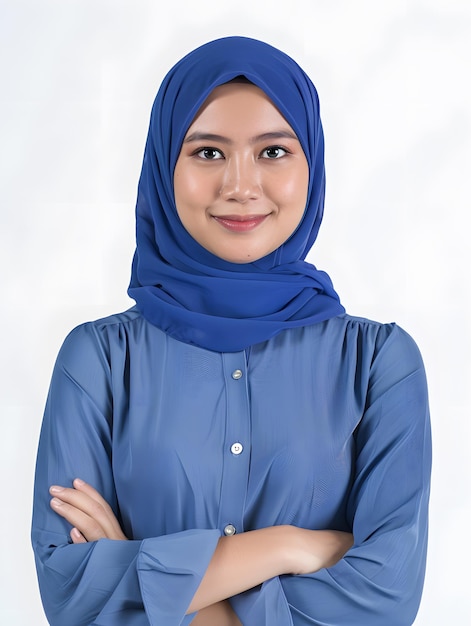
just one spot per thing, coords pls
(78, 78)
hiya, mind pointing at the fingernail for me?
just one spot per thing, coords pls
(56, 502)
(79, 482)
(55, 489)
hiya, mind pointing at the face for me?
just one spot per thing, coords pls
(241, 178)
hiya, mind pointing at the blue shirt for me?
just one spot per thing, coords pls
(322, 427)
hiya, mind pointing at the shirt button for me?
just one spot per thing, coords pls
(237, 448)
(236, 374)
(229, 530)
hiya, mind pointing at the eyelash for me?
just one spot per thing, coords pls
(199, 151)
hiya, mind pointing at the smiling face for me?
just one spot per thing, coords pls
(241, 178)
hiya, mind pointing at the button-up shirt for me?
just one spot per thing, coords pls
(321, 427)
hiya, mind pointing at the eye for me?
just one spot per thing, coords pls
(209, 154)
(273, 152)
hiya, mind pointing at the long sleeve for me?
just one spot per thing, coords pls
(107, 583)
(379, 581)
(322, 427)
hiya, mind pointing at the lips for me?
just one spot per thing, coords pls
(240, 223)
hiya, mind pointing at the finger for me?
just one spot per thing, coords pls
(88, 527)
(81, 485)
(82, 502)
(84, 487)
(98, 520)
(77, 536)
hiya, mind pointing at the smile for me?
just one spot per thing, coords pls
(240, 223)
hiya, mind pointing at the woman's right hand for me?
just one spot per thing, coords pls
(312, 550)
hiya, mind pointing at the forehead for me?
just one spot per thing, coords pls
(238, 102)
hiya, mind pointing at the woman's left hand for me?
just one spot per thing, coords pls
(91, 516)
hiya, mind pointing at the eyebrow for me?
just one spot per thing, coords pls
(277, 134)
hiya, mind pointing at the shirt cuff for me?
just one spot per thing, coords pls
(170, 569)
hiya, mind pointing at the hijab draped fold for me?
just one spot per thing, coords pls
(179, 286)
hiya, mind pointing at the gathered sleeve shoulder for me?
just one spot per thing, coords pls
(380, 579)
(107, 583)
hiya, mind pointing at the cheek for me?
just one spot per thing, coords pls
(180, 186)
(292, 190)
(192, 187)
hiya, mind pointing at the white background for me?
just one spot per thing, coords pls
(77, 80)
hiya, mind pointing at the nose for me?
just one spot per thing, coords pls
(241, 180)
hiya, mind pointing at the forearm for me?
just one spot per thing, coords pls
(238, 563)
(219, 614)
(241, 562)
(244, 561)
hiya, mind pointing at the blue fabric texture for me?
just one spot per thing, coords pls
(179, 286)
(334, 427)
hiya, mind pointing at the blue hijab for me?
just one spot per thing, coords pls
(179, 286)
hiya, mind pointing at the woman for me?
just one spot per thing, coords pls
(251, 454)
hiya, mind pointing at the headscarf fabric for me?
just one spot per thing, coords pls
(179, 286)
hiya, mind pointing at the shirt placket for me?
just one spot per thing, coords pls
(236, 444)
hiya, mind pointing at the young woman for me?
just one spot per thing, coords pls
(235, 448)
